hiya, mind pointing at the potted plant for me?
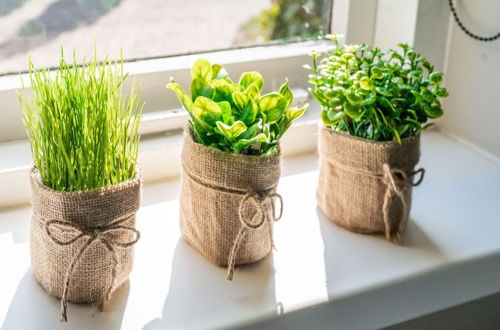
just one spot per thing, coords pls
(374, 106)
(85, 181)
(231, 163)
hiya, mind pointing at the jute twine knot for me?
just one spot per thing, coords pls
(397, 181)
(257, 220)
(100, 234)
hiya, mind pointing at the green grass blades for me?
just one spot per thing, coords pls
(234, 117)
(82, 127)
(373, 94)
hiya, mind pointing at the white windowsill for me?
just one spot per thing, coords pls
(450, 255)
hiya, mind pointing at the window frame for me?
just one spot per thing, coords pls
(152, 75)
(161, 126)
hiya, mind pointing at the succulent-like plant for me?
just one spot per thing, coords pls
(234, 117)
(374, 94)
(82, 128)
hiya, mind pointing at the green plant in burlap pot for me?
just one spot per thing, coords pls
(374, 106)
(231, 164)
(86, 184)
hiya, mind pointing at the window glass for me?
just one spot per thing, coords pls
(149, 28)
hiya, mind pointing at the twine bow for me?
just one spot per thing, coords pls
(100, 234)
(254, 222)
(397, 181)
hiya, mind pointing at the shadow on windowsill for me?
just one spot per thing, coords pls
(192, 303)
(31, 307)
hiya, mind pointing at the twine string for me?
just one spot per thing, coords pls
(396, 181)
(257, 220)
(54, 227)
(250, 197)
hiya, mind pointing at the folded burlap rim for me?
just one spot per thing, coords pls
(397, 180)
(93, 234)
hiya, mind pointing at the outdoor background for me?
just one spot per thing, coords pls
(148, 28)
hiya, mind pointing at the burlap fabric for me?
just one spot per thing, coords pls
(227, 203)
(366, 186)
(81, 241)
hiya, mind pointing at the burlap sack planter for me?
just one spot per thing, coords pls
(227, 204)
(366, 186)
(81, 242)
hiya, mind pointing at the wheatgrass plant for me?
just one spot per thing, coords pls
(82, 127)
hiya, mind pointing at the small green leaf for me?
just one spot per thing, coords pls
(352, 110)
(354, 98)
(223, 90)
(218, 72)
(426, 126)
(436, 77)
(396, 135)
(273, 105)
(376, 73)
(440, 91)
(331, 117)
(244, 143)
(240, 99)
(181, 95)
(250, 132)
(427, 95)
(294, 113)
(335, 102)
(206, 111)
(225, 108)
(383, 91)
(231, 132)
(287, 93)
(197, 85)
(253, 91)
(253, 77)
(370, 99)
(433, 111)
(202, 69)
(366, 83)
(250, 111)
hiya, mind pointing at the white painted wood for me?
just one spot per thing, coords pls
(472, 111)
(355, 20)
(395, 22)
(275, 63)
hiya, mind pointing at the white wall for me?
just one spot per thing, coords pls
(431, 32)
(355, 20)
(473, 77)
(472, 68)
(395, 22)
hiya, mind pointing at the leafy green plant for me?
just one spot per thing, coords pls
(373, 94)
(289, 19)
(82, 128)
(234, 117)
